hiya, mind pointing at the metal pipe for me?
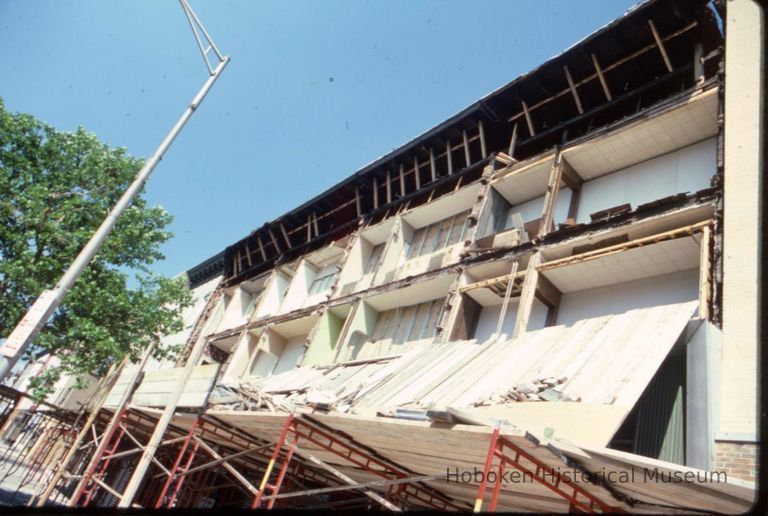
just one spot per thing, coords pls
(49, 300)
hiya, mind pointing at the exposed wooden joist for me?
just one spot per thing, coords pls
(402, 180)
(317, 226)
(606, 69)
(376, 192)
(309, 224)
(492, 281)
(550, 197)
(599, 72)
(571, 178)
(660, 44)
(449, 156)
(248, 255)
(389, 187)
(573, 89)
(528, 120)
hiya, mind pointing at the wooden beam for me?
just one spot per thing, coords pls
(573, 89)
(490, 282)
(274, 240)
(402, 180)
(248, 255)
(526, 295)
(547, 292)
(416, 172)
(601, 77)
(389, 187)
(335, 472)
(483, 149)
(528, 120)
(606, 69)
(513, 142)
(309, 224)
(375, 483)
(698, 64)
(550, 197)
(617, 248)
(285, 236)
(432, 167)
(467, 158)
(704, 273)
(573, 206)
(660, 44)
(449, 156)
(261, 249)
(317, 226)
(234, 472)
(223, 460)
(376, 192)
(571, 178)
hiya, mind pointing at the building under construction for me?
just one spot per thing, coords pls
(547, 302)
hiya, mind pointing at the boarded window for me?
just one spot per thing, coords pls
(436, 236)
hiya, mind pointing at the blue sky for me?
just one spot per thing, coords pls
(315, 90)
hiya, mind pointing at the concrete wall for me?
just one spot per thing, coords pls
(672, 288)
(741, 232)
(685, 170)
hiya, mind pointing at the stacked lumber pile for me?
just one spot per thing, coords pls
(542, 389)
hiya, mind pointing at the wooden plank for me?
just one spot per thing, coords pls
(376, 191)
(402, 180)
(285, 236)
(357, 201)
(416, 172)
(601, 77)
(317, 227)
(389, 187)
(660, 44)
(550, 197)
(573, 89)
(274, 240)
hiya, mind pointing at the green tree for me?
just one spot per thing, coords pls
(55, 189)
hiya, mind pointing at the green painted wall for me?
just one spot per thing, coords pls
(322, 348)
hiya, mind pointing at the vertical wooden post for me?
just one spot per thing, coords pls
(317, 227)
(285, 236)
(389, 187)
(466, 147)
(527, 295)
(448, 155)
(309, 227)
(513, 142)
(698, 64)
(261, 249)
(376, 192)
(416, 172)
(483, 149)
(402, 180)
(432, 167)
(274, 240)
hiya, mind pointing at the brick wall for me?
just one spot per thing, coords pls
(738, 460)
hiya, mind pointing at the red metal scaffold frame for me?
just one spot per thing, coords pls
(298, 429)
(579, 499)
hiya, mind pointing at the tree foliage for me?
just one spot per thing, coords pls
(55, 189)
